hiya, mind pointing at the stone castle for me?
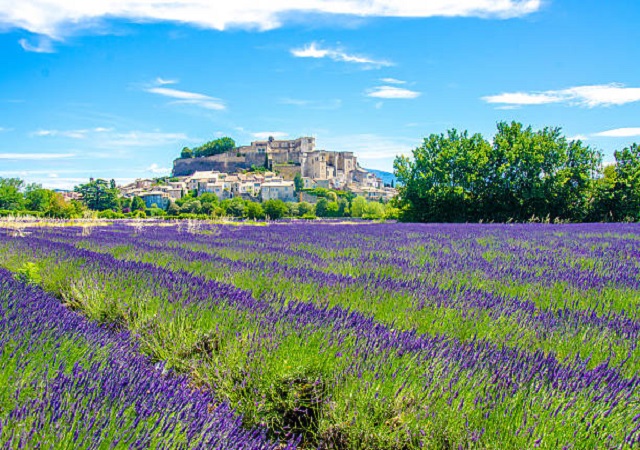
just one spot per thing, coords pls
(287, 157)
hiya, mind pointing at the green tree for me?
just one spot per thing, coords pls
(194, 207)
(125, 204)
(305, 208)
(539, 173)
(10, 196)
(625, 193)
(215, 147)
(138, 204)
(298, 182)
(99, 195)
(524, 173)
(60, 208)
(173, 209)
(186, 153)
(255, 211)
(322, 207)
(236, 207)
(275, 209)
(444, 178)
(292, 209)
(36, 198)
(358, 206)
(374, 210)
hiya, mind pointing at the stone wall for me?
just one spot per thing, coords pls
(226, 162)
(287, 172)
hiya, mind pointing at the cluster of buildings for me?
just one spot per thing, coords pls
(283, 159)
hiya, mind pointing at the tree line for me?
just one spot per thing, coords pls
(214, 147)
(32, 199)
(521, 175)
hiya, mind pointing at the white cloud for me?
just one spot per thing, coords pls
(266, 134)
(392, 81)
(313, 50)
(620, 132)
(59, 17)
(161, 81)
(157, 170)
(73, 134)
(42, 46)
(35, 156)
(589, 96)
(189, 98)
(392, 92)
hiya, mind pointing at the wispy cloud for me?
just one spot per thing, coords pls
(162, 81)
(266, 134)
(313, 104)
(102, 137)
(35, 156)
(73, 134)
(189, 98)
(141, 139)
(392, 92)
(157, 170)
(620, 133)
(58, 17)
(43, 45)
(588, 96)
(392, 81)
(314, 50)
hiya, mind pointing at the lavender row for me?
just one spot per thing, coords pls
(113, 398)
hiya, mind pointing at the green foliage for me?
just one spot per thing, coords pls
(37, 198)
(626, 189)
(306, 208)
(186, 153)
(215, 147)
(235, 207)
(358, 206)
(10, 196)
(59, 208)
(137, 204)
(255, 211)
(110, 214)
(257, 169)
(331, 194)
(155, 212)
(522, 174)
(298, 182)
(99, 195)
(29, 273)
(275, 209)
(138, 214)
(173, 209)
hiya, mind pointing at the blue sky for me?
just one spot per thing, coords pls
(116, 89)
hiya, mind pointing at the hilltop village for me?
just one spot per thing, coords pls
(287, 170)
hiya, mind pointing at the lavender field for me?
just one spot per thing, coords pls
(320, 335)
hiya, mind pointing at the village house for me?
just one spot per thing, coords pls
(278, 190)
